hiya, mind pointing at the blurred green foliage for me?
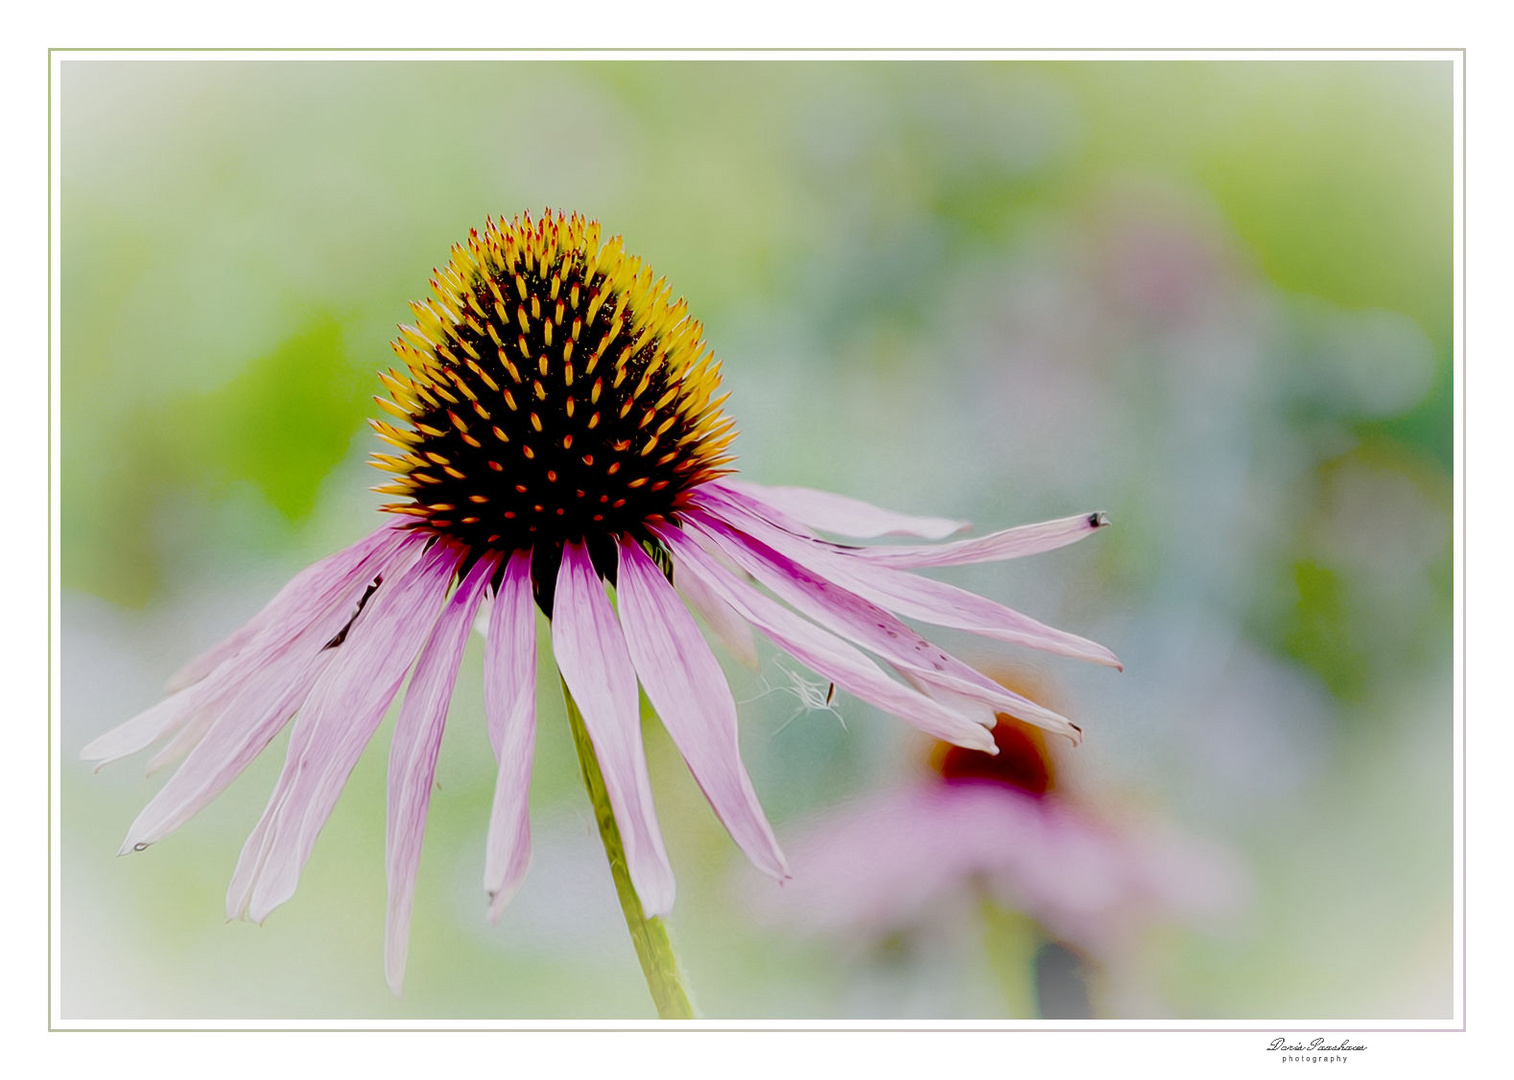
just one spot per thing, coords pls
(1337, 178)
(283, 421)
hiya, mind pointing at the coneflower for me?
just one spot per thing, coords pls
(555, 427)
(999, 831)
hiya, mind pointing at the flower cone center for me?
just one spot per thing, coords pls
(551, 391)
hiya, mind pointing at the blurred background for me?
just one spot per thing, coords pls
(1212, 299)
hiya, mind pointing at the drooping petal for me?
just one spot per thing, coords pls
(304, 592)
(734, 632)
(510, 703)
(337, 720)
(842, 515)
(823, 651)
(684, 682)
(412, 760)
(1007, 544)
(946, 605)
(310, 598)
(928, 666)
(898, 591)
(252, 700)
(240, 733)
(592, 656)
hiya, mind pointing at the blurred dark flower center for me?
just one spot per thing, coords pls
(1022, 761)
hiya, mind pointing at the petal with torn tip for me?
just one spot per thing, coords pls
(339, 717)
(412, 760)
(510, 704)
(684, 682)
(824, 652)
(592, 656)
(842, 515)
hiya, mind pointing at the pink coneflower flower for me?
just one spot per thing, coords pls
(556, 430)
(997, 828)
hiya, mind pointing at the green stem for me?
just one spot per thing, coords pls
(650, 936)
(1010, 943)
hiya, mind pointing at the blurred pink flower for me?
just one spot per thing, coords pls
(990, 827)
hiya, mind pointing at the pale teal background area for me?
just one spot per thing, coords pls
(1212, 299)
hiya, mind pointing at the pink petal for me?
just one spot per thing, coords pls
(412, 759)
(687, 688)
(733, 631)
(254, 697)
(971, 706)
(1008, 544)
(337, 720)
(308, 599)
(240, 732)
(302, 593)
(903, 856)
(212, 658)
(185, 740)
(902, 593)
(822, 651)
(148, 726)
(842, 515)
(927, 665)
(591, 654)
(880, 864)
(510, 702)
